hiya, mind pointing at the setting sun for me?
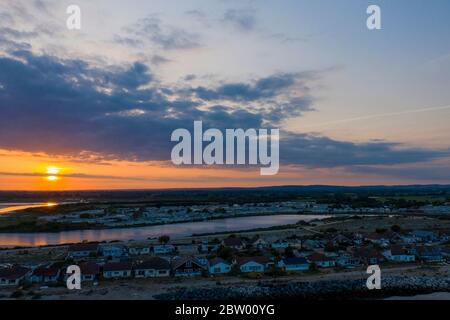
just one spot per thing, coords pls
(53, 170)
(52, 178)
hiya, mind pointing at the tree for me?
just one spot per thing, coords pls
(164, 239)
(225, 253)
(289, 252)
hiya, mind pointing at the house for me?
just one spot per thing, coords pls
(424, 236)
(89, 271)
(116, 270)
(187, 267)
(280, 244)
(347, 260)
(154, 267)
(13, 275)
(163, 249)
(236, 243)
(45, 275)
(253, 264)
(136, 249)
(258, 243)
(398, 253)
(369, 255)
(337, 240)
(446, 253)
(187, 249)
(82, 250)
(219, 266)
(294, 264)
(321, 260)
(428, 254)
(113, 250)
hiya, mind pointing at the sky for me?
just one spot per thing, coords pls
(94, 108)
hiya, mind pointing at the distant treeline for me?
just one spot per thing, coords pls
(401, 196)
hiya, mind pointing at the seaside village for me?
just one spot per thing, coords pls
(232, 256)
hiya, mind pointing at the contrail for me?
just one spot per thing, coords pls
(374, 116)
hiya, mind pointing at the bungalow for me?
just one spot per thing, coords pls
(399, 254)
(135, 249)
(347, 260)
(154, 267)
(45, 275)
(187, 267)
(294, 264)
(336, 240)
(258, 243)
(89, 271)
(163, 249)
(116, 270)
(280, 244)
(253, 264)
(424, 236)
(428, 254)
(369, 255)
(113, 250)
(13, 275)
(321, 260)
(187, 249)
(83, 250)
(219, 266)
(234, 242)
(446, 253)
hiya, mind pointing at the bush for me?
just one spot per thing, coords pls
(253, 275)
(16, 294)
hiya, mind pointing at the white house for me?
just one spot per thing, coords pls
(82, 250)
(163, 249)
(135, 249)
(116, 270)
(253, 264)
(322, 260)
(45, 275)
(13, 275)
(154, 267)
(294, 264)
(399, 254)
(280, 244)
(219, 266)
(113, 250)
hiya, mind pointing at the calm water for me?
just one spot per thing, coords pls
(11, 207)
(141, 233)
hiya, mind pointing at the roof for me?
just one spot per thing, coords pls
(398, 250)
(177, 262)
(84, 247)
(258, 259)
(319, 257)
(13, 273)
(368, 253)
(294, 261)
(117, 266)
(46, 271)
(90, 267)
(153, 263)
(215, 261)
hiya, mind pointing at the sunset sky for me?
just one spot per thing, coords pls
(94, 108)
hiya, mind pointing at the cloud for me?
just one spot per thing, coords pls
(242, 19)
(152, 30)
(71, 175)
(317, 151)
(69, 107)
